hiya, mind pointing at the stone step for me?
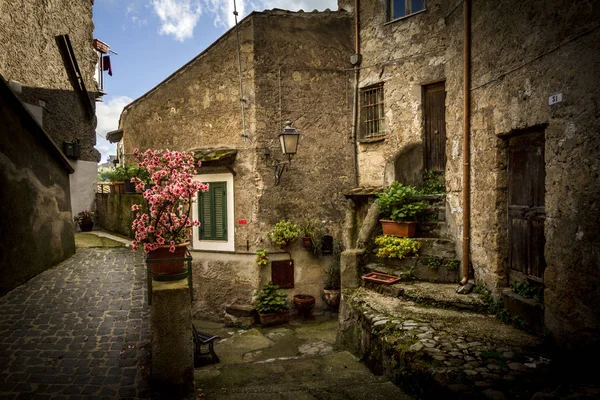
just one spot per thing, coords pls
(430, 247)
(439, 353)
(442, 270)
(432, 229)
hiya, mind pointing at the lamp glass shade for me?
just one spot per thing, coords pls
(289, 141)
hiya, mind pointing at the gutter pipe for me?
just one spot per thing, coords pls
(466, 190)
(355, 102)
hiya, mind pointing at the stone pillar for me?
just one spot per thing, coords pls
(350, 268)
(171, 336)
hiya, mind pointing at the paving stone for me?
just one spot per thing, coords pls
(56, 329)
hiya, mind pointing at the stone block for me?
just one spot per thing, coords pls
(530, 311)
(350, 265)
(171, 336)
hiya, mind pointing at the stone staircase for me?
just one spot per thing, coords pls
(436, 261)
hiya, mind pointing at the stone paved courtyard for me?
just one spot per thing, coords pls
(78, 330)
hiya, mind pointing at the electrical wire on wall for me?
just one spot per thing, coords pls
(237, 35)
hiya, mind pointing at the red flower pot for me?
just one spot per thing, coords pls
(169, 266)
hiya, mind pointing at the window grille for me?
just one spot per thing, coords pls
(373, 118)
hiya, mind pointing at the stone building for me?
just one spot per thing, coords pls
(48, 61)
(294, 66)
(534, 149)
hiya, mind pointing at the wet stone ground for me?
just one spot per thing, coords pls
(78, 330)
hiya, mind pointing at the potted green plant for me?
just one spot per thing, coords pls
(312, 234)
(284, 232)
(272, 306)
(262, 258)
(333, 279)
(398, 210)
(85, 220)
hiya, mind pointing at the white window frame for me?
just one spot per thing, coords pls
(216, 245)
(407, 7)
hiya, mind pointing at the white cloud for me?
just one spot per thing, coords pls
(222, 10)
(108, 113)
(177, 17)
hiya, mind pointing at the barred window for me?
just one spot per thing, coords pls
(372, 113)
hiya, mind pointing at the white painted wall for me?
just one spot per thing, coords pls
(83, 183)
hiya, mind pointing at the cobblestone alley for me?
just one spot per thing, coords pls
(78, 330)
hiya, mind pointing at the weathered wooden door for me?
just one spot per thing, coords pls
(526, 206)
(434, 115)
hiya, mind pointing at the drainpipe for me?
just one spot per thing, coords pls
(466, 259)
(356, 61)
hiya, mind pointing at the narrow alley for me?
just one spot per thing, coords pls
(78, 330)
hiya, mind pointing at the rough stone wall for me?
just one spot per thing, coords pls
(301, 65)
(521, 53)
(31, 56)
(36, 229)
(402, 55)
(113, 211)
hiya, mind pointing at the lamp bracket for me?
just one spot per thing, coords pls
(280, 167)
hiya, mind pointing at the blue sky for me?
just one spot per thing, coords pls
(153, 38)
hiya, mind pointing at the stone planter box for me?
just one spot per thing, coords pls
(278, 318)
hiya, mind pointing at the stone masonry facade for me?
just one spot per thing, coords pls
(522, 53)
(294, 67)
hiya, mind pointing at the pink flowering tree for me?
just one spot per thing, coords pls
(169, 195)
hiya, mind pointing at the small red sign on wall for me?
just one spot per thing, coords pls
(242, 222)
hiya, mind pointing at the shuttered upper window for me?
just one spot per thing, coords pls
(212, 212)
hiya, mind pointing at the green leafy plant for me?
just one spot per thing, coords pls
(395, 247)
(452, 265)
(435, 262)
(525, 289)
(314, 230)
(433, 182)
(396, 203)
(262, 258)
(269, 300)
(283, 233)
(333, 276)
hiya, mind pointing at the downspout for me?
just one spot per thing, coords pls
(466, 247)
(356, 62)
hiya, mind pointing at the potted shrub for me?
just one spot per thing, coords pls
(333, 279)
(284, 232)
(164, 226)
(312, 234)
(130, 173)
(398, 210)
(272, 306)
(85, 220)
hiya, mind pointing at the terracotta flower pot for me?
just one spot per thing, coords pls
(398, 229)
(332, 297)
(307, 241)
(304, 301)
(168, 266)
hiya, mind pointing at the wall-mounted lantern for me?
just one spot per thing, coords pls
(288, 140)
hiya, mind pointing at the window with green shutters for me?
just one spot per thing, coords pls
(212, 211)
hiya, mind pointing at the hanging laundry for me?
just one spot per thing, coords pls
(106, 64)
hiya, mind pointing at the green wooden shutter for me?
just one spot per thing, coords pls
(212, 211)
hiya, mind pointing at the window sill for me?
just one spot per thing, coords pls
(374, 139)
(404, 17)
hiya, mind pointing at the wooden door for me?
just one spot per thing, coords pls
(434, 115)
(526, 206)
